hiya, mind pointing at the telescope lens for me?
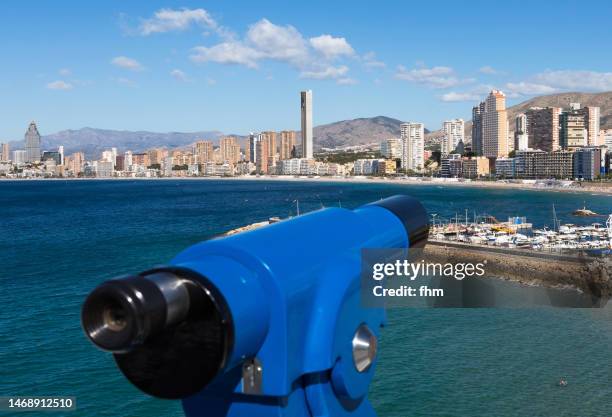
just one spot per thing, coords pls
(115, 318)
(122, 313)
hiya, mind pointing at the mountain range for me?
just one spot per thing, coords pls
(360, 131)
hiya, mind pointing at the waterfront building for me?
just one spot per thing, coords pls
(495, 125)
(109, 155)
(262, 155)
(156, 156)
(140, 159)
(538, 164)
(127, 159)
(391, 148)
(367, 166)
(455, 167)
(306, 113)
(477, 113)
(4, 152)
(386, 166)
(475, 167)
(251, 152)
(104, 169)
(580, 127)
(530, 163)
(120, 163)
(505, 167)
(51, 155)
(288, 142)
(230, 150)
(593, 115)
(521, 136)
(543, 128)
(606, 138)
(203, 151)
(270, 138)
(445, 163)
(559, 164)
(587, 163)
(412, 135)
(32, 143)
(454, 133)
(19, 157)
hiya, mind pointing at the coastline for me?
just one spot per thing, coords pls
(600, 189)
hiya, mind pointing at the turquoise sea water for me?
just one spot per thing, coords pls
(61, 238)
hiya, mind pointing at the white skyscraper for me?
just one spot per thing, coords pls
(32, 143)
(306, 97)
(61, 152)
(454, 132)
(413, 145)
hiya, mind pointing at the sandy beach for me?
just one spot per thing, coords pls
(595, 188)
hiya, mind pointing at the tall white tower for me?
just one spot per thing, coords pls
(306, 97)
(413, 145)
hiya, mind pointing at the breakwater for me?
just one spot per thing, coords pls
(588, 274)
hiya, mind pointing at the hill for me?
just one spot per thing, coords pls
(601, 100)
(356, 132)
(93, 141)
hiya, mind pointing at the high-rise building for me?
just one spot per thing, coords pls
(454, 133)
(288, 142)
(4, 152)
(262, 155)
(477, 113)
(413, 145)
(252, 148)
(592, 115)
(543, 128)
(32, 143)
(521, 135)
(19, 157)
(77, 160)
(495, 125)
(270, 138)
(580, 127)
(203, 151)
(60, 149)
(128, 159)
(306, 106)
(587, 163)
(573, 132)
(391, 148)
(230, 150)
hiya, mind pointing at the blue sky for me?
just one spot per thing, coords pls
(239, 66)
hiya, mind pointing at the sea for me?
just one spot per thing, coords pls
(59, 239)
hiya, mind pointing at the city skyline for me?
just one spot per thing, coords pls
(158, 67)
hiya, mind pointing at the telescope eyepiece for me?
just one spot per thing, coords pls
(122, 313)
(170, 330)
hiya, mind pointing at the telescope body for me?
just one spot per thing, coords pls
(267, 322)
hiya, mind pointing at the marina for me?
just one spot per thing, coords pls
(517, 232)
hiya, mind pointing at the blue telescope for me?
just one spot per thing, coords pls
(262, 323)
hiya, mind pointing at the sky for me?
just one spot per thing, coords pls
(238, 67)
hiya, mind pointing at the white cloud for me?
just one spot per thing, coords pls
(59, 85)
(370, 61)
(125, 81)
(581, 80)
(283, 43)
(488, 70)
(211, 81)
(65, 72)
(435, 77)
(346, 81)
(330, 72)
(528, 89)
(265, 40)
(179, 75)
(168, 20)
(455, 96)
(331, 47)
(127, 63)
(227, 53)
